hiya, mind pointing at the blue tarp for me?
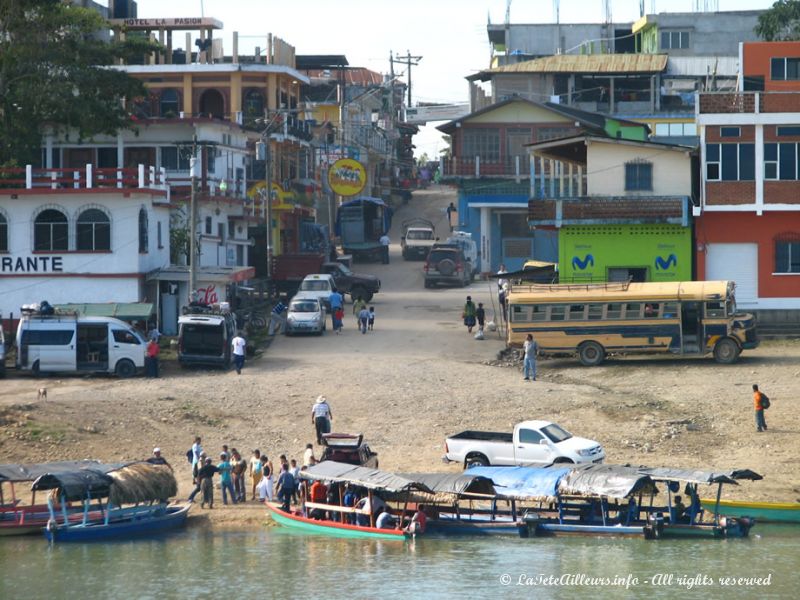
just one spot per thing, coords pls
(523, 482)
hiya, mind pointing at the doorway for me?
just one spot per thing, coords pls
(691, 326)
(634, 274)
(92, 347)
(212, 104)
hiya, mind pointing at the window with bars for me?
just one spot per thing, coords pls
(638, 176)
(787, 254)
(730, 162)
(3, 233)
(93, 231)
(50, 231)
(782, 161)
(484, 143)
(675, 40)
(785, 69)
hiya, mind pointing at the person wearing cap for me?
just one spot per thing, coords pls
(157, 459)
(205, 477)
(321, 417)
(225, 479)
(468, 314)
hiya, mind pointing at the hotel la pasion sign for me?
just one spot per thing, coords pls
(11, 265)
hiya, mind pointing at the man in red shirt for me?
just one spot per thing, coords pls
(317, 494)
(151, 358)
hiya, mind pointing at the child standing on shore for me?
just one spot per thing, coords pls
(371, 317)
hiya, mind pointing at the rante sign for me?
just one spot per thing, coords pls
(347, 177)
(32, 264)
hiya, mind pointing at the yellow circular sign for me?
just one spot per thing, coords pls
(347, 177)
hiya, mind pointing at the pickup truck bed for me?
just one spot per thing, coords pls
(484, 436)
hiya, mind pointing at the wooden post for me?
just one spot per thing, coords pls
(371, 510)
(403, 514)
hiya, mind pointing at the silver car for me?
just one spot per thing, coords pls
(306, 315)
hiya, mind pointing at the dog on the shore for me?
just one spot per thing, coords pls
(42, 394)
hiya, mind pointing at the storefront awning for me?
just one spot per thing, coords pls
(204, 274)
(125, 311)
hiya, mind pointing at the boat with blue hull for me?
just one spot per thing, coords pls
(119, 501)
(144, 521)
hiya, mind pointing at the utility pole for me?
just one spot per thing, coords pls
(409, 61)
(193, 222)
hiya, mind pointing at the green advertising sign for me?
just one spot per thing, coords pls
(603, 252)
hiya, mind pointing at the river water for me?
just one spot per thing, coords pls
(277, 563)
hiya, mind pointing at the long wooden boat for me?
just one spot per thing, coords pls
(139, 522)
(323, 527)
(118, 502)
(20, 518)
(763, 512)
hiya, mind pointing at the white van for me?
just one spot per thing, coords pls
(463, 239)
(76, 344)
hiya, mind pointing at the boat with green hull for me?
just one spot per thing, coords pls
(763, 512)
(323, 527)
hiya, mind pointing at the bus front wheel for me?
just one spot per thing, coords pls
(591, 354)
(726, 351)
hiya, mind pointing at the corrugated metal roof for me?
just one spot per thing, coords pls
(700, 66)
(119, 310)
(588, 63)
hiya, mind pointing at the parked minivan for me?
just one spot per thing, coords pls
(78, 344)
(205, 339)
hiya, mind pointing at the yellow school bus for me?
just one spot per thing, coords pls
(690, 318)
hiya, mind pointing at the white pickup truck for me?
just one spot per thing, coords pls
(419, 236)
(533, 443)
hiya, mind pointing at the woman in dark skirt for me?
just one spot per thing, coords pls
(468, 314)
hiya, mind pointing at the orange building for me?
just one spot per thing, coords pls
(770, 66)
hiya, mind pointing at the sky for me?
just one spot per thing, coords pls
(449, 35)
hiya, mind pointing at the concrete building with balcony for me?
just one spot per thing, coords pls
(748, 218)
(629, 218)
(647, 71)
(495, 176)
(81, 235)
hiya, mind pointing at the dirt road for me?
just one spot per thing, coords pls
(418, 377)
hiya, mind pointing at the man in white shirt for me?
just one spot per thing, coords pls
(308, 455)
(321, 416)
(384, 240)
(238, 345)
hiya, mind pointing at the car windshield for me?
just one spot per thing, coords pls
(556, 433)
(304, 306)
(315, 286)
(344, 269)
(419, 235)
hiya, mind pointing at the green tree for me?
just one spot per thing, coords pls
(54, 76)
(781, 22)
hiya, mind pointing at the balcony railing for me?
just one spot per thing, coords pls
(607, 210)
(89, 177)
(516, 167)
(749, 102)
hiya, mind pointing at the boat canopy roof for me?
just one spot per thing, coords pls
(523, 482)
(31, 471)
(690, 476)
(613, 481)
(372, 479)
(454, 483)
(128, 482)
(77, 484)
